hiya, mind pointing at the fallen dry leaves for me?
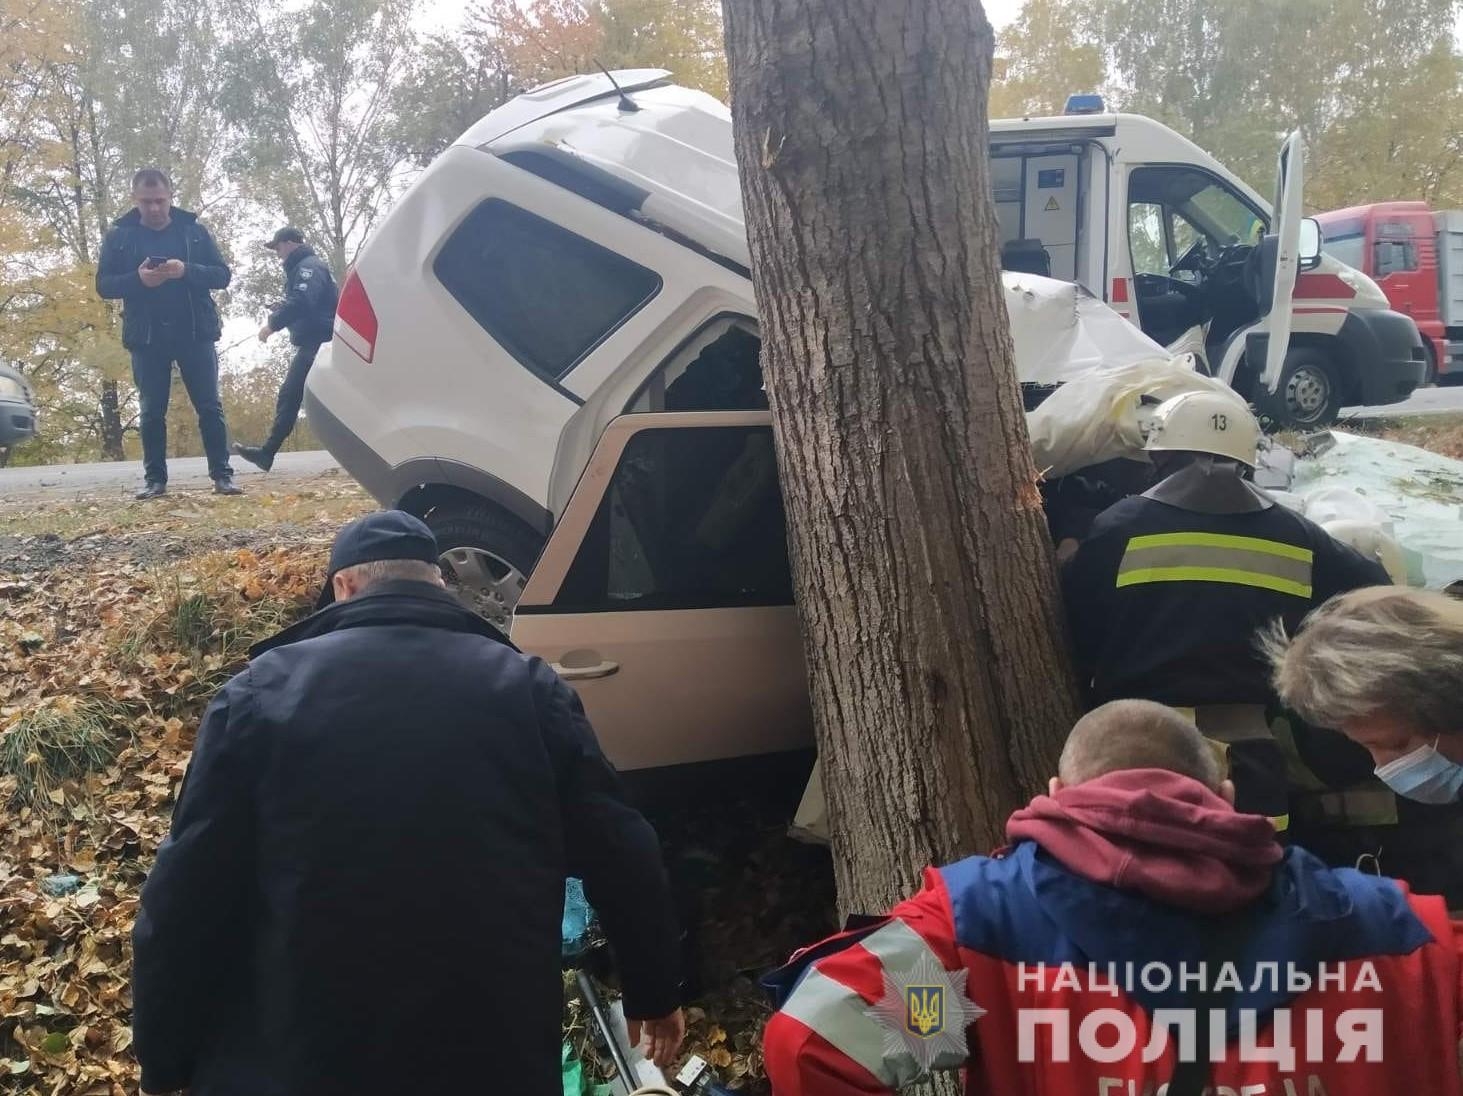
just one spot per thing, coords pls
(128, 655)
(112, 639)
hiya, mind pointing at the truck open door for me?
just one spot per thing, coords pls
(1289, 213)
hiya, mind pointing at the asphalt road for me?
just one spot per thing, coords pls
(192, 472)
(1425, 401)
(188, 473)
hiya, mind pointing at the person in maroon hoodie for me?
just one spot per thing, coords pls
(1138, 937)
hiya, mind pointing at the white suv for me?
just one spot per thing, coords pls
(549, 351)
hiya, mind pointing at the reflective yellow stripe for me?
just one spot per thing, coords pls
(1233, 576)
(1281, 822)
(1217, 558)
(1221, 540)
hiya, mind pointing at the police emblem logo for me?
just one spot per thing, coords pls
(924, 1011)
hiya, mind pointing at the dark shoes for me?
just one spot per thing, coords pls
(223, 485)
(255, 455)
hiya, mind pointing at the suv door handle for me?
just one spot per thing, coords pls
(585, 673)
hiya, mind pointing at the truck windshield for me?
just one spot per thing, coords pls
(1350, 250)
(1224, 216)
(1180, 205)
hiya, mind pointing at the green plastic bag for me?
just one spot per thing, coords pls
(573, 1073)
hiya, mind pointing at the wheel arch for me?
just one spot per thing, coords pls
(449, 484)
(1339, 352)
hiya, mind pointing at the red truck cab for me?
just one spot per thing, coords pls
(1404, 247)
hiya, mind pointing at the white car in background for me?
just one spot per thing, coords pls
(549, 351)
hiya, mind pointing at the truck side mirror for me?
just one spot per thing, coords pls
(1310, 243)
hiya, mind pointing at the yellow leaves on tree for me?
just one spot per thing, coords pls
(1049, 52)
(544, 40)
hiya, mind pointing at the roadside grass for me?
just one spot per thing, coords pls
(1442, 434)
(329, 499)
(202, 622)
(58, 743)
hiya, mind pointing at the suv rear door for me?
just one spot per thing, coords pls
(664, 594)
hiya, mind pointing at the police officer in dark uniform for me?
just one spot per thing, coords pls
(1166, 596)
(362, 889)
(308, 311)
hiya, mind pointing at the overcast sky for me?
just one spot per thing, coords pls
(434, 15)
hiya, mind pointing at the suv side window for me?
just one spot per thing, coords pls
(546, 295)
(717, 369)
(692, 519)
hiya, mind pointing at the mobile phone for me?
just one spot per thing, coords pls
(155, 261)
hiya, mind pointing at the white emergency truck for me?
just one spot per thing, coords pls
(1165, 234)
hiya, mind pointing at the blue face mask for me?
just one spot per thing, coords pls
(1425, 776)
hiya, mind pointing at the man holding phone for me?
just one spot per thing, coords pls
(163, 265)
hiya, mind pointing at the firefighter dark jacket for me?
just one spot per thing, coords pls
(363, 885)
(1165, 602)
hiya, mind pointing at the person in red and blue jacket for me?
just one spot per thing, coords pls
(1088, 956)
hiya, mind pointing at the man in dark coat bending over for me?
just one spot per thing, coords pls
(364, 882)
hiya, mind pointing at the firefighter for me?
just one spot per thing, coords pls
(1169, 591)
(1089, 954)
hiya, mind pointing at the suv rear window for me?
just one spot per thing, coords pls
(543, 293)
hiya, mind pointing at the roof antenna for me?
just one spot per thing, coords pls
(627, 105)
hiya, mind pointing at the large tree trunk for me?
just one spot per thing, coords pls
(940, 684)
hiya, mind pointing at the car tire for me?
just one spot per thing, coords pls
(1310, 393)
(486, 556)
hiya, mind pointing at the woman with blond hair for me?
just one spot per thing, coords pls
(1385, 667)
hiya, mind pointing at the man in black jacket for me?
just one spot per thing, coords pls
(364, 882)
(163, 266)
(308, 312)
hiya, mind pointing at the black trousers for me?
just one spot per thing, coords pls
(152, 370)
(291, 396)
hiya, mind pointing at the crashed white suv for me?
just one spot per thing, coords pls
(549, 350)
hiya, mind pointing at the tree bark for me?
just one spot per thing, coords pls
(111, 422)
(924, 575)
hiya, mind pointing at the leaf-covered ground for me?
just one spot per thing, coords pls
(117, 622)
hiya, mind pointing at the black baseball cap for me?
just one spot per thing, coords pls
(286, 235)
(386, 534)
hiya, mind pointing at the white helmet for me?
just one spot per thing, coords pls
(1205, 422)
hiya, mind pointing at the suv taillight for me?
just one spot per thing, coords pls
(355, 319)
